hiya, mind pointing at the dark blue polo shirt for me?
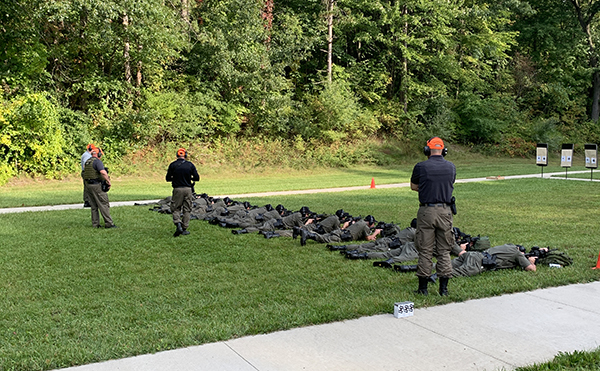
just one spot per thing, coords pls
(435, 178)
(181, 173)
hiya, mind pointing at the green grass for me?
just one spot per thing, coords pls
(576, 361)
(127, 188)
(72, 295)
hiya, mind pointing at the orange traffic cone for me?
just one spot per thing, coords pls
(372, 182)
(597, 263)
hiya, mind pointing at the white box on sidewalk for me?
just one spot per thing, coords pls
(404, 309)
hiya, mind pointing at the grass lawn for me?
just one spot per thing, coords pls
(74, 295)
(575, 361)
(153, 186)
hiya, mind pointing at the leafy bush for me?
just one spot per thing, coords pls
(585, 132)
(75, 129)
(31, 136)
(484, 120)
(546, 131)
(173, 116)
(337, 115)
(6, 172)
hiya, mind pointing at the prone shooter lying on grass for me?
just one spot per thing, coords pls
(507, 256)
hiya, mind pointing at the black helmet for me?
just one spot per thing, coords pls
(227, 200)
(269, 207)
(304, 210)
(204, 195)
(413, 223)
(370, 219)
(247, 204)
(339, 213)
(280, 208)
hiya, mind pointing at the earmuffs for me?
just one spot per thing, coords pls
(181, 152)
(427, 150)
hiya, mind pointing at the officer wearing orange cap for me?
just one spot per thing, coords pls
(94, 173)
(181, 173)
(434, 180)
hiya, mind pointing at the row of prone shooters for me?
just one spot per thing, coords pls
(387, 243)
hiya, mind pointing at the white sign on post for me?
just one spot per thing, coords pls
(591, 156)
(566, 155)
(542, 154)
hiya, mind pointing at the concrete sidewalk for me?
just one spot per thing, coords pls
(495, 333)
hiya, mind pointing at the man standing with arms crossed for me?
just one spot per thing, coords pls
(181, 173)
(434, 180)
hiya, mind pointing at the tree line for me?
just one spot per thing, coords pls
(131, 73)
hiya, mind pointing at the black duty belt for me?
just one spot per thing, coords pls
(92, 181)
(434, 205)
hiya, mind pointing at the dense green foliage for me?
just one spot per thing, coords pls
(66, 301)
(129, 74)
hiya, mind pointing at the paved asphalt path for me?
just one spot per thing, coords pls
(497, 333)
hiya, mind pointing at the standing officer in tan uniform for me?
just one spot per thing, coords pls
(181, 174)
(94, 173)
(434, 180)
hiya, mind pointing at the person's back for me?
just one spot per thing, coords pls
(182, 173)
(434, 180)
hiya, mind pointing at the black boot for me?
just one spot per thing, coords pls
(422, 290)
(269, 235)
(185, 232)
(239, 231)
(336, 247)
(384, 264)
(357, 255)
(296, 232)
(444, 286)
(405, 268)
(179, 230)
(307, 236)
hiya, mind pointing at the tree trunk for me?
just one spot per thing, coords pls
(138, 76)
(585, 21)
(185, 11)
(404, 79)
(330, 4)
(267, 16)
(596, 97)
(126, 51)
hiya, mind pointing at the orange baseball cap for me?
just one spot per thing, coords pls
(181, 152)
(435, 143)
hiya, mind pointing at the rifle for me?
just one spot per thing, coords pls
(470, 241)
(537, 253)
